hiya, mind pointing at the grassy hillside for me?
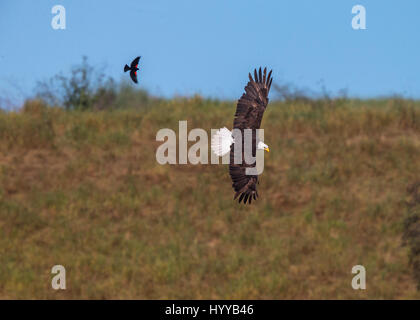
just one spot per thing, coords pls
(84, 190)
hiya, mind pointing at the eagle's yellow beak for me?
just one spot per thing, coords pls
(267, 149)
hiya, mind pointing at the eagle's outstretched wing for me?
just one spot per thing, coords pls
(249, 113)
(252, 104)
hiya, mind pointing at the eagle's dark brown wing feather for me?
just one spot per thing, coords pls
(249, 113)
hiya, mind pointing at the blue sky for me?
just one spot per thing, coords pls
(208, 47)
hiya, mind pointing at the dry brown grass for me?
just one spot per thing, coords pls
(83, 189)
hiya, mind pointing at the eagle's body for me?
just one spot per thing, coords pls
(249, 113)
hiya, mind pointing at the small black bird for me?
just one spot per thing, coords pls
(133, 69)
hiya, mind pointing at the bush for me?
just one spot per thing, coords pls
(84, 89)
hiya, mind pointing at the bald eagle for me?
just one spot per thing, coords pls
(249, 113)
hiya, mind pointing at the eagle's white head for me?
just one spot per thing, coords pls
(262, 146)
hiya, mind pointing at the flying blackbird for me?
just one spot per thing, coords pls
(133, 69)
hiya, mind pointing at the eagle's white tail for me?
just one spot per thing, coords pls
(221, 142)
